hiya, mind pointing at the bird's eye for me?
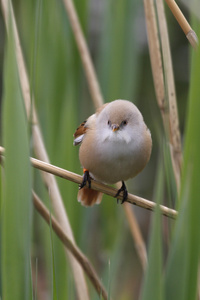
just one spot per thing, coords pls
(124, 122)
(109, 122)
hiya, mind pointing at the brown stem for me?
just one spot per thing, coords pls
(80, 257)
(103, 188)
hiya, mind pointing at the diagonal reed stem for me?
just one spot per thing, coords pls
(189, 32)
(40, 150)
(97, 99)
(84, 54)
(81, 258)
(103, 188)
(135, 231)
(72, 247)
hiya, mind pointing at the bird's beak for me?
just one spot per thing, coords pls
(115, 127)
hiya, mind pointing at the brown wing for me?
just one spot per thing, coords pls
(80, 130)
(78, 135)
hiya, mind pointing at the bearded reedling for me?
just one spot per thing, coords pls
(115, 145)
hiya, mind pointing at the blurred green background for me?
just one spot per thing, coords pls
(116, 35)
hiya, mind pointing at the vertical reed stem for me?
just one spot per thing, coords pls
(40, 150)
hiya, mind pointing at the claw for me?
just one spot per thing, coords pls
(125, 193)
(86, 178)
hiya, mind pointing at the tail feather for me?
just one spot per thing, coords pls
(89, 197)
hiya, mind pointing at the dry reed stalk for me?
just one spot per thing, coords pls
(189, 32)
(136, 233)
(103, 188)
(41, 153)
(165, 89)
(80, 257)
(84, 54)
(156, 60)
(76, 252)
(174, 131)
(97, 97)
(139, 242)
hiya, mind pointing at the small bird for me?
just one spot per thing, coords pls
(115, 145)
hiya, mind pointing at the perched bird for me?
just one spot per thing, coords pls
(115, 145)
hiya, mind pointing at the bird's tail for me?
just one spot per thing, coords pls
(89, 197)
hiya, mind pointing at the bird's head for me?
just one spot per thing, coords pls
(119, 120)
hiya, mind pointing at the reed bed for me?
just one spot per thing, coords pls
(63, 59)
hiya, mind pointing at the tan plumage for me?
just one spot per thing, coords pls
(115, 146)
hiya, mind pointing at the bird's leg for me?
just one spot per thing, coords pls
(125, 192)
(86, 178)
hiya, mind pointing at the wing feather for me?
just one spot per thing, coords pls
(79, 133)
(81, 130)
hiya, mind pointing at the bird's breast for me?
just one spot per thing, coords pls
(112, 159)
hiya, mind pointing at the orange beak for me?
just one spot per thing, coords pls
(115, 127)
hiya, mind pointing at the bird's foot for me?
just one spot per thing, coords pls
(86, 178)
(125, 193)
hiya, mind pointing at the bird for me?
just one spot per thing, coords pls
(115, 145)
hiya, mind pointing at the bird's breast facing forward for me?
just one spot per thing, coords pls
(115, 156)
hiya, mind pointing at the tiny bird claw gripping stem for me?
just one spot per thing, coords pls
(86, 178)
(125, 192)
